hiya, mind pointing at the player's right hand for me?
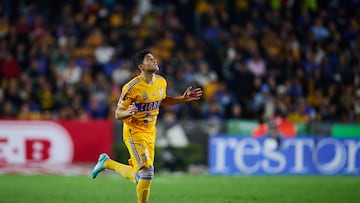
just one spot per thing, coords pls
(132, 110)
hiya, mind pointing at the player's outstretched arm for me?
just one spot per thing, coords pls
(123, 114)
(190, 94)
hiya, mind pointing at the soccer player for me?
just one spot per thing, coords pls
(138, 107)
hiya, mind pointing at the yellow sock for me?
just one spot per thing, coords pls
(125, 171)
(143, 190)
(143, 186)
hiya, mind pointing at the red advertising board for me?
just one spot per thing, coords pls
(54, 142)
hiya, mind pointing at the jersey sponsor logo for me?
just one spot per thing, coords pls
(148, 106)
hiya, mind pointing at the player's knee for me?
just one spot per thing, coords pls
(146, 173)
(147, 167)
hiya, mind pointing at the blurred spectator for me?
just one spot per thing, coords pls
(223, 96)
(69, 61)
(60, 57)
(204, 75)
(357, 106)
(121, 73)
(257, 65)
(319, 31)
(346, 103)
(104, 53)
(10, 67)
(96, 107)
(284, 126)
(72, 73)
(263, 103)
(212, 111)
(4, 27)
(110, 66)
(302, 113)
(234, 111)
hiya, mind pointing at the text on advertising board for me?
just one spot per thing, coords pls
(25, 142)
(236, 155)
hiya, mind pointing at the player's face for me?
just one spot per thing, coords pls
(150, 64)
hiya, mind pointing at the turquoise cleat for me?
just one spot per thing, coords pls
(99, 165)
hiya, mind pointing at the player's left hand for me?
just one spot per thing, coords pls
(192, 94)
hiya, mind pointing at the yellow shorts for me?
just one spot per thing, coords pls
(141, 152)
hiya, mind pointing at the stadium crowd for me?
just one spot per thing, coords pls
(64, 59)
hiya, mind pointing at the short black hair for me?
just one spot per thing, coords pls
(139, 57)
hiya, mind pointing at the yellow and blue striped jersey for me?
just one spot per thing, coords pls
(147, 99)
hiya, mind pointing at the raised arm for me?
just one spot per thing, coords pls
(190, 94)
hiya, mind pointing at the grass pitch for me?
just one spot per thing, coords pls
(181, 189)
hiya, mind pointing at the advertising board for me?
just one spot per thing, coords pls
(294, 156)
(50, 142)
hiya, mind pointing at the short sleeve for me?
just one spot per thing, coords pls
(125, 99)
(164, 89)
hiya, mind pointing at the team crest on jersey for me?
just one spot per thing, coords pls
(153, 94)
(145, 96)
(160, 92)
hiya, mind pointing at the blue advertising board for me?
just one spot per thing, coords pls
(293, 156)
